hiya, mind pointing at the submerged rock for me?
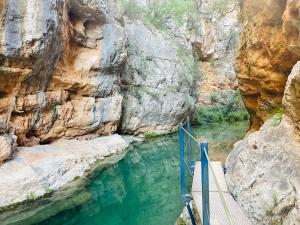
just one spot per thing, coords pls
(41, 169)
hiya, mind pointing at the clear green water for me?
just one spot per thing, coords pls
(141, 189)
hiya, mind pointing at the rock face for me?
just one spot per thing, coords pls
(269, 49)
(157, 82)
(263, 174)
(60, 72)
(48, 87)
(291, 99)
(214, 35)
(41, 169)
(263, 169)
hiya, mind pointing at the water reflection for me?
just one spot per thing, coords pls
(143, 188)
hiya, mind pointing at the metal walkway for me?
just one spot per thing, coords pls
(217, 211)
(213, 202)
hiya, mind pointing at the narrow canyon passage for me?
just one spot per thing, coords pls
(143, 188)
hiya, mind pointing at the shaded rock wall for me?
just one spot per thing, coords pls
(269, 48)
(263, 169)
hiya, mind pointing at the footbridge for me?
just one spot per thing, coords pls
(212, 200)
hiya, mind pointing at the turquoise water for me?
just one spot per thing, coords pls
(141, 189)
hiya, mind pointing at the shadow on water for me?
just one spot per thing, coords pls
(143, 188)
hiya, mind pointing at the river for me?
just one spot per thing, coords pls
(142, 188)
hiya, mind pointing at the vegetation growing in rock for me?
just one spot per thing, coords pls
(158, 12)
(221, 7)
(224, 109)
(277, 117)
(31, 196)
(151, 134)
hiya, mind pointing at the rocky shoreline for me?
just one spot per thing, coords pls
(42, 169)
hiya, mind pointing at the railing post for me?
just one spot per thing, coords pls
(205, 184)
(191, 163)
(182, 165)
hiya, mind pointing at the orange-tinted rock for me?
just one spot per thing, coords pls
(269, 49)
(60, 64)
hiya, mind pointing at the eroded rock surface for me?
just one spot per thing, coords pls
(214, 35)
(158, 80)
(60, 64)
(291, 99)
(263, 174)
(269, 49)
(263, 170)
(41, 169)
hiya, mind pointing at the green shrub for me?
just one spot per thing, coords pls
(276, 119)
(178, 10)
(208, 115)
(237, 116)
(151, 134)
(31, 196)
(226, 107)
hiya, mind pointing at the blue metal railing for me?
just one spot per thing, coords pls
(185, 138)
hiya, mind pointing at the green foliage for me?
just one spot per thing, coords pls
(178, 10)
(276, 119)
(277, 113)
(237, 116)
(224, 109)
(209, 114)
(31, 196)
(158, 11)
(151, 134)
(181, 221)
(222, 7)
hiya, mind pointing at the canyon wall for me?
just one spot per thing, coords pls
(269, 48)
(263, 169)
(159, 77)
(215, 36)
(62, 74)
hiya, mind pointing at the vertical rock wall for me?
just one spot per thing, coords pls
(263, 169)
(215, 36)
(60, 65)
(158, 80)
(269, 49)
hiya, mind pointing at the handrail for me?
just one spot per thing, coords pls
(205, 187)
(219, 190)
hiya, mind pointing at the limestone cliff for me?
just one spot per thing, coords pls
(214, 35)
(158, 80)
(61, 66)
(269, 48)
